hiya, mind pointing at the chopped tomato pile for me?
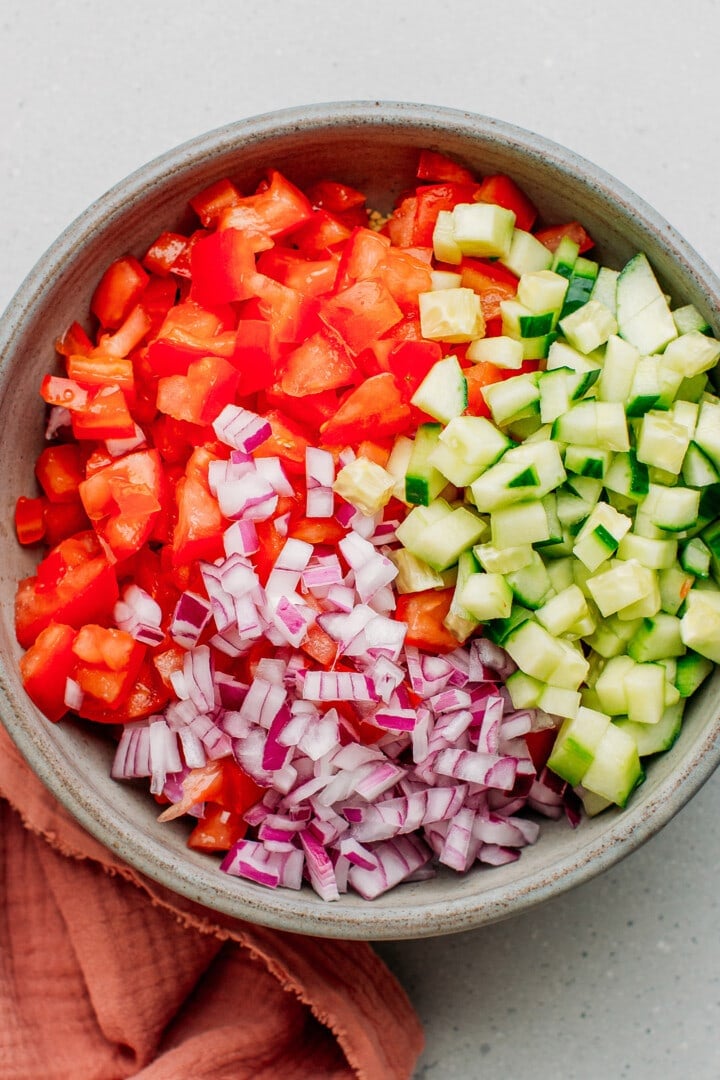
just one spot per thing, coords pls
(200, 424)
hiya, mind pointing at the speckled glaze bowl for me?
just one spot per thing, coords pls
(372, 145)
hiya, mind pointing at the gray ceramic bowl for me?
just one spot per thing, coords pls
(372, 145)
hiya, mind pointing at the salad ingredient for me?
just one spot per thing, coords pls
(366, 540)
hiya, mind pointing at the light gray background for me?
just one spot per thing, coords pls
(620, 978)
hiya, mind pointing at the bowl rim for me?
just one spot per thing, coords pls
(286, 910)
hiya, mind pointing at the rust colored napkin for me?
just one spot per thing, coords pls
(106, 975)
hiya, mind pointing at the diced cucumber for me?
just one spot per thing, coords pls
(441, 543)
(610, 684)
(443, 392)
(526, 254)
(600, 535)
(582, 282)
(413, 575)
(645, 693)
(628, 476)
(594, 423)
(589, 326)
(453, 315)
(562, 611)
(566, 254)
(587, 461)
(688, 318)
(605, 288)
(662, 442)
(672, 509)
(542, 291)
(445, 246)
(618, 370)
(561, 354)
(512, 398)
(655, 554)
(695, 557)
(559, 701)
(643, 314)
(526, 521)
(397, 464)
(423, 482)
(524, 691)
(502, 351)
(466, 447)
(655, 738)
(503, 560)
(549, 659)
(498, 486)
(483, 229)
(615, 771)
(697, 468)
(463, 620)
(577, 743)
(486, 596)
(692, 354)
(707, 431)
(621, 586)
(700, 623)
(531, 583)
(445, 279)
(674, 584)
(692, 670)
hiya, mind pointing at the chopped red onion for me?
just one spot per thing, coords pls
(319, 867)
(271, 469)
(190, 617)
(396, 860)
(241, 428)
(241, 538)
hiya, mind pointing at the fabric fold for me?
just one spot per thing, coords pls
(106, 974)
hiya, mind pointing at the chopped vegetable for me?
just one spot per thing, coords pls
(366, 536)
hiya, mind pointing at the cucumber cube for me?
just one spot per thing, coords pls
(561, 611)
(524, 691)
(526, 521)
(645, 693)
(691, 672)
(621, 586)
(610, 685)
(466, 447)
(615, 771)
(618, 371)
(502, 351)
(656, 639)
(688, 318)
(577, 743)
(655, 738)
(414, 575)
(600, 535)
(445, 246)
(443, 392)
(692, 353)
(503, 560)
(487, 596)
(526, 254)
(483, 229)
(643, 315)
(662, 442)
(589, 326)
(453, 315)
(700, 624)
(559, 701)
(423, 482)
(364, 484)
(542, 290)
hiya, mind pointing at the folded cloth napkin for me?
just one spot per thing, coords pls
(105, 974)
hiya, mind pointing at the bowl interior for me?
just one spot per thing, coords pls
(372, 146)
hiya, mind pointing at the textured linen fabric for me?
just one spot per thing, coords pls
(104, 974)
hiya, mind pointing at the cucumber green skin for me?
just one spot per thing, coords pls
(692, 670)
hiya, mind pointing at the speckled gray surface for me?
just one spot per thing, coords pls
(621, 977)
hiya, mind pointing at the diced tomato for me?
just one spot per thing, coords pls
(289, 441)
(410, 362)
(503, 191)
(146, 696)
(118, 291)
(321, 234)
(108, 662)
(94, 371)
(312, 277)
(373, 410)
(311, 410)
(46, 667)
(333, 196)
(437, 167)
(322, 362)
(552, 236)
(209, 203)
(60, 469)
(360, 255)
(222, 265)
(74, 342)
(276, 208)
(361, 313)
(424, 613)
(200, 525)
(478, 377)
(401, 225)
(199, 396)
(217, 830)
(63, 520)
(122, 501)
(164, 252)
(492, 282)
(29, 520)
(74, 584)
(292, 316)
(105, 416)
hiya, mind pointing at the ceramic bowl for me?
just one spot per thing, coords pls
(372, 145)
